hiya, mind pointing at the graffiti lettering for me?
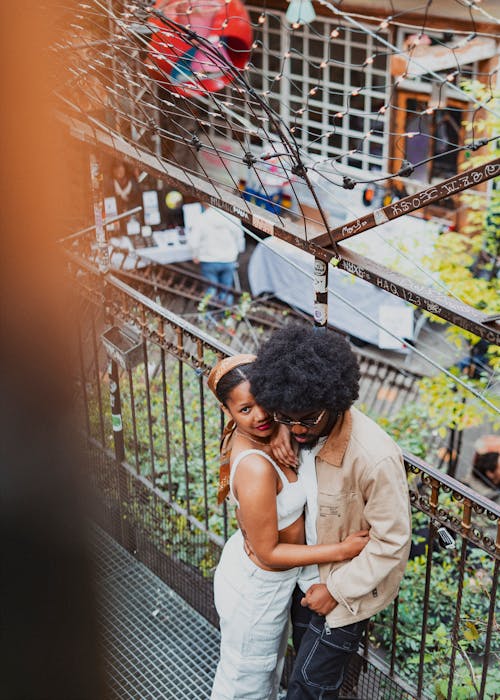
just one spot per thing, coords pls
(240, 213)
(465, 180)
(428, 195)
(491, 169)
(387, 286)
(433, 308)
(350, 230)
(450, 187)
(355, 270)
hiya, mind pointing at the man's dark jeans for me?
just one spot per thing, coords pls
(323, 655)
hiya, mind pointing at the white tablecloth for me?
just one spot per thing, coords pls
(287, 272)
(171, 247)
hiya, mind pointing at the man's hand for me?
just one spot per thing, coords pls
(196, 261)
(319, 599)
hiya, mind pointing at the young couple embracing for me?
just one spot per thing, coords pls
(324, 514)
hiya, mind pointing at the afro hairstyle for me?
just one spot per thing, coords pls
(301, 369)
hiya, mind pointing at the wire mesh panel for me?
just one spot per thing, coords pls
(278, 119)
(159, 500)
(155, 645)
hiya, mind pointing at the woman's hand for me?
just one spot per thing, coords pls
(281, 446)
(354, 544)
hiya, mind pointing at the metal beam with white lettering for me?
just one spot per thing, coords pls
(426, 298)
(191, 184)
(403, 287)
(455, 184)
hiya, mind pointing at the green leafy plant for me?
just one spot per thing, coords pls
(410, 429)
(467, 263)
(445, 585)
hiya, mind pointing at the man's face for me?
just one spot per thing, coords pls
(307, 428)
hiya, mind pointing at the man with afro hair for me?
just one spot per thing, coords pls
(355, 479)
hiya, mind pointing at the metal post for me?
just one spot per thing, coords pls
(98, 202)
(320, 293)
(127, 532)
(113, 370)
(116, 410)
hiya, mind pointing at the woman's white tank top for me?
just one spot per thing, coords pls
(290, 501)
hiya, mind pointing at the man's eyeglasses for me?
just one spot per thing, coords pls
(305, 422)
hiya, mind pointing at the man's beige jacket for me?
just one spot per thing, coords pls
(362, 484)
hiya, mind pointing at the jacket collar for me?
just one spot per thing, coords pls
(333, 450)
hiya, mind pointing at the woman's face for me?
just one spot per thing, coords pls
(247, 414)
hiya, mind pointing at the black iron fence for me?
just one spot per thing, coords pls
(152, 440)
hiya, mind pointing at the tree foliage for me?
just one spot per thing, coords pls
(467, 263)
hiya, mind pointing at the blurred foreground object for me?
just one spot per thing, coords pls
(49, 641)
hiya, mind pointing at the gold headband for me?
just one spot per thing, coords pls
(225, 366)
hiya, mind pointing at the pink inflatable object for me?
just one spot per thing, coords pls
(182, 64)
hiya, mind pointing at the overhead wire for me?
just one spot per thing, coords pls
(127, 41)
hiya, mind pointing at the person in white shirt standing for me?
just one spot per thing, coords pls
(216, 241)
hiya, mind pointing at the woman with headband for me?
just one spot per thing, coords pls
(261, 562)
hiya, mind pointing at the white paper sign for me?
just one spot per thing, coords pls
(110, 210)
(151, 208)
(397, 320)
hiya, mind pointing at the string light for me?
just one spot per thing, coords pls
(250, 116)
(131, 98)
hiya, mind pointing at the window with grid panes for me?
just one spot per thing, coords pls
(326, 93)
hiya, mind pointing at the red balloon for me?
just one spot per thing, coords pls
(188, 67)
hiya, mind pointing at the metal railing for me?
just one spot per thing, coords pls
(153, 436)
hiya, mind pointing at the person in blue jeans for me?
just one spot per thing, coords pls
(354, 478)
(216, 241)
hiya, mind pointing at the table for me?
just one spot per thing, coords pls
(169, 246)
(287, 272)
